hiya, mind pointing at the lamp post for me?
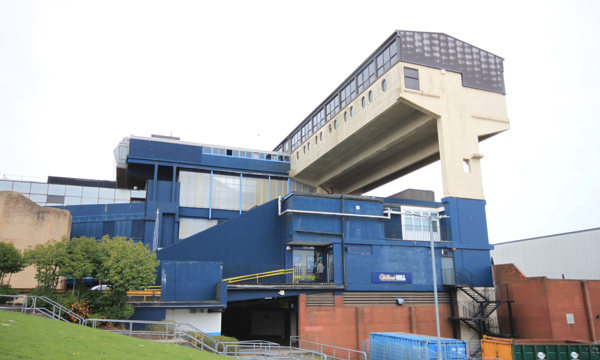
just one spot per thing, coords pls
(435, 293)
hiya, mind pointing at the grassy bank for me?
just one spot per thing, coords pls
(32, 337)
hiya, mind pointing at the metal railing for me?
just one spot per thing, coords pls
(256, 349)
(152, 292)
(262, 275)
(41, 305)
(320, 344)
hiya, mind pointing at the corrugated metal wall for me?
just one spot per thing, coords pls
(572, 255)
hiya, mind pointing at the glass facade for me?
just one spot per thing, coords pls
(189, 227)
(226, 191)
(61, 195)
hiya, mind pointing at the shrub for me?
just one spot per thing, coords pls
(43, 291)
(110, 304)
(7, 290)
(80, 308)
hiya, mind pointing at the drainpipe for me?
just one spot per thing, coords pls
(343, 218)
(588, 308)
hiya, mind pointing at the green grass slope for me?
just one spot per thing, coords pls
(32, 337)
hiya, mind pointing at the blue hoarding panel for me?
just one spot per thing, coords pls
(394, 346)
(190, 280)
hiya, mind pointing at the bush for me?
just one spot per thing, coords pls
(43, 291)
(66, 299)
(109, 304)
(7, 290)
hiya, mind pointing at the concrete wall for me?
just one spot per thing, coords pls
(209, 322)
(349, 325)
(24, 224)
(549, 309)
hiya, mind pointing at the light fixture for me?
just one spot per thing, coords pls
(400, 301)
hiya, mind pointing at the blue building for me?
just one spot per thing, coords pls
(271, 244)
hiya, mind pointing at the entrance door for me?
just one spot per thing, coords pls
(448, 277)
(329, 266)
(313, 264)
(304, 264)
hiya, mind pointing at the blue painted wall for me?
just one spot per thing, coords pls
(251, 241)
(468, 232)
(191, 156)
(191, 281)
(260, 237)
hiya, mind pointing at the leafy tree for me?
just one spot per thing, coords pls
(11, 261)
(82, 258)
(126, 264)
(48, 259)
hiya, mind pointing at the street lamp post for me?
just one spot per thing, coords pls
(435, 293)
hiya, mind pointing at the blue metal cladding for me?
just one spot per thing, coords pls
(190, 280)
(468, 232)
(186, 155)
(108, 219)
(149, 314)
(252, 240)
(394, 346)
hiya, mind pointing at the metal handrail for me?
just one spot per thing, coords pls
(187, 332)
(57, 311)
(260, 275)
(330, 349)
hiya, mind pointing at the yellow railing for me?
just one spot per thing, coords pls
(261, 275)
(148, 291)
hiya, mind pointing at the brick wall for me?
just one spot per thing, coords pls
(348, 326)
(541, 306)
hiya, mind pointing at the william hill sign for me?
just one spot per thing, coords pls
(391, 277)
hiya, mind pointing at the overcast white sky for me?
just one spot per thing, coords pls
(78, 76)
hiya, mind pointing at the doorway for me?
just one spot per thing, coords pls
(313, 263)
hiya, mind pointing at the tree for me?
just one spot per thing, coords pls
(82, 258)
(48, 258)
(11, 261)
(126, 264)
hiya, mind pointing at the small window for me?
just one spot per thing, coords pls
(316, 140)
(308, 146)
(370, 96)
(351, 111)
(298, 155)
(345, 116)
(304, 149)
(363, 102)
(335, 124)
(411, 78)
(384, 85)
(321, 136)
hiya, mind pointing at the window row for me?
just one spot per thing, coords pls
(227, 192)
(57, 194)
(244, 154)
(346, 93)
(348, 114)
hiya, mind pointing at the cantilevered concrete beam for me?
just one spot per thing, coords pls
(403, 129)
